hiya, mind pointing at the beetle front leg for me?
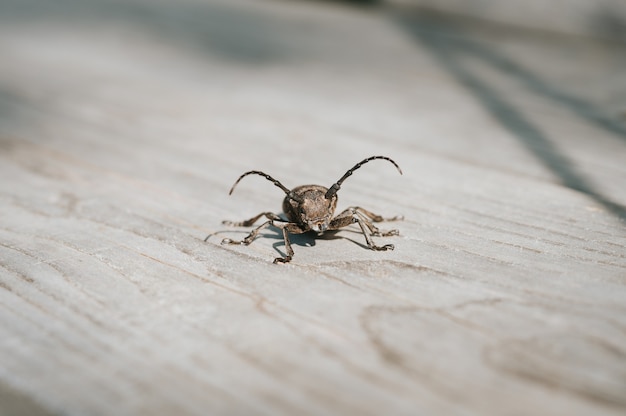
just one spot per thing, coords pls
(367, 220)
(351, 216)
(293, 229)
(376, 217)
(368, 217)
(250, 237)
(251, 221)
(269, 215)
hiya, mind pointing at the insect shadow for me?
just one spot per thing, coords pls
(308, 239)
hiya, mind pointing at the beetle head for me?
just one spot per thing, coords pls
(310, 207)
(316, 211)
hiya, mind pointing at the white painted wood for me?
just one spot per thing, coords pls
(122, 127)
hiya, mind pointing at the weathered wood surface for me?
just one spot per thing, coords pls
(123, 125)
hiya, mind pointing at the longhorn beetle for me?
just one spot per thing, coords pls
(311, 208)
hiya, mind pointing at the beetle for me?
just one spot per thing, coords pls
(311, 208)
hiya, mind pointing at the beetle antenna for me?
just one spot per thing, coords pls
(269, 178)
(333, 189)
(265, 175)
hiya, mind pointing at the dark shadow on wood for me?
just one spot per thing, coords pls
(449, 45)
(245, 35)
(360, 3)
(308, 239)
(13, 402)
(610, 24)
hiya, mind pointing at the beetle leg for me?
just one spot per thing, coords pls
(369, 216)
(343, 219)
(350, 216)
(250, 237)
(376, 217)
(286, 229)
(292, 228)
(247, 223)
(368, 238)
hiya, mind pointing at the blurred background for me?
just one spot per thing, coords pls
(123, 123)
(308, 78)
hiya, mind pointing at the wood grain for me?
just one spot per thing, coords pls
(122, 127)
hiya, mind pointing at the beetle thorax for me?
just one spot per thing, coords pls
(313, 211)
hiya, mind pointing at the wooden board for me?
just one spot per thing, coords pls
(123, 126)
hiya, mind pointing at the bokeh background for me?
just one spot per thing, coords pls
(124, 123)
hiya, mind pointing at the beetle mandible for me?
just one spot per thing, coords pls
(311, 208)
